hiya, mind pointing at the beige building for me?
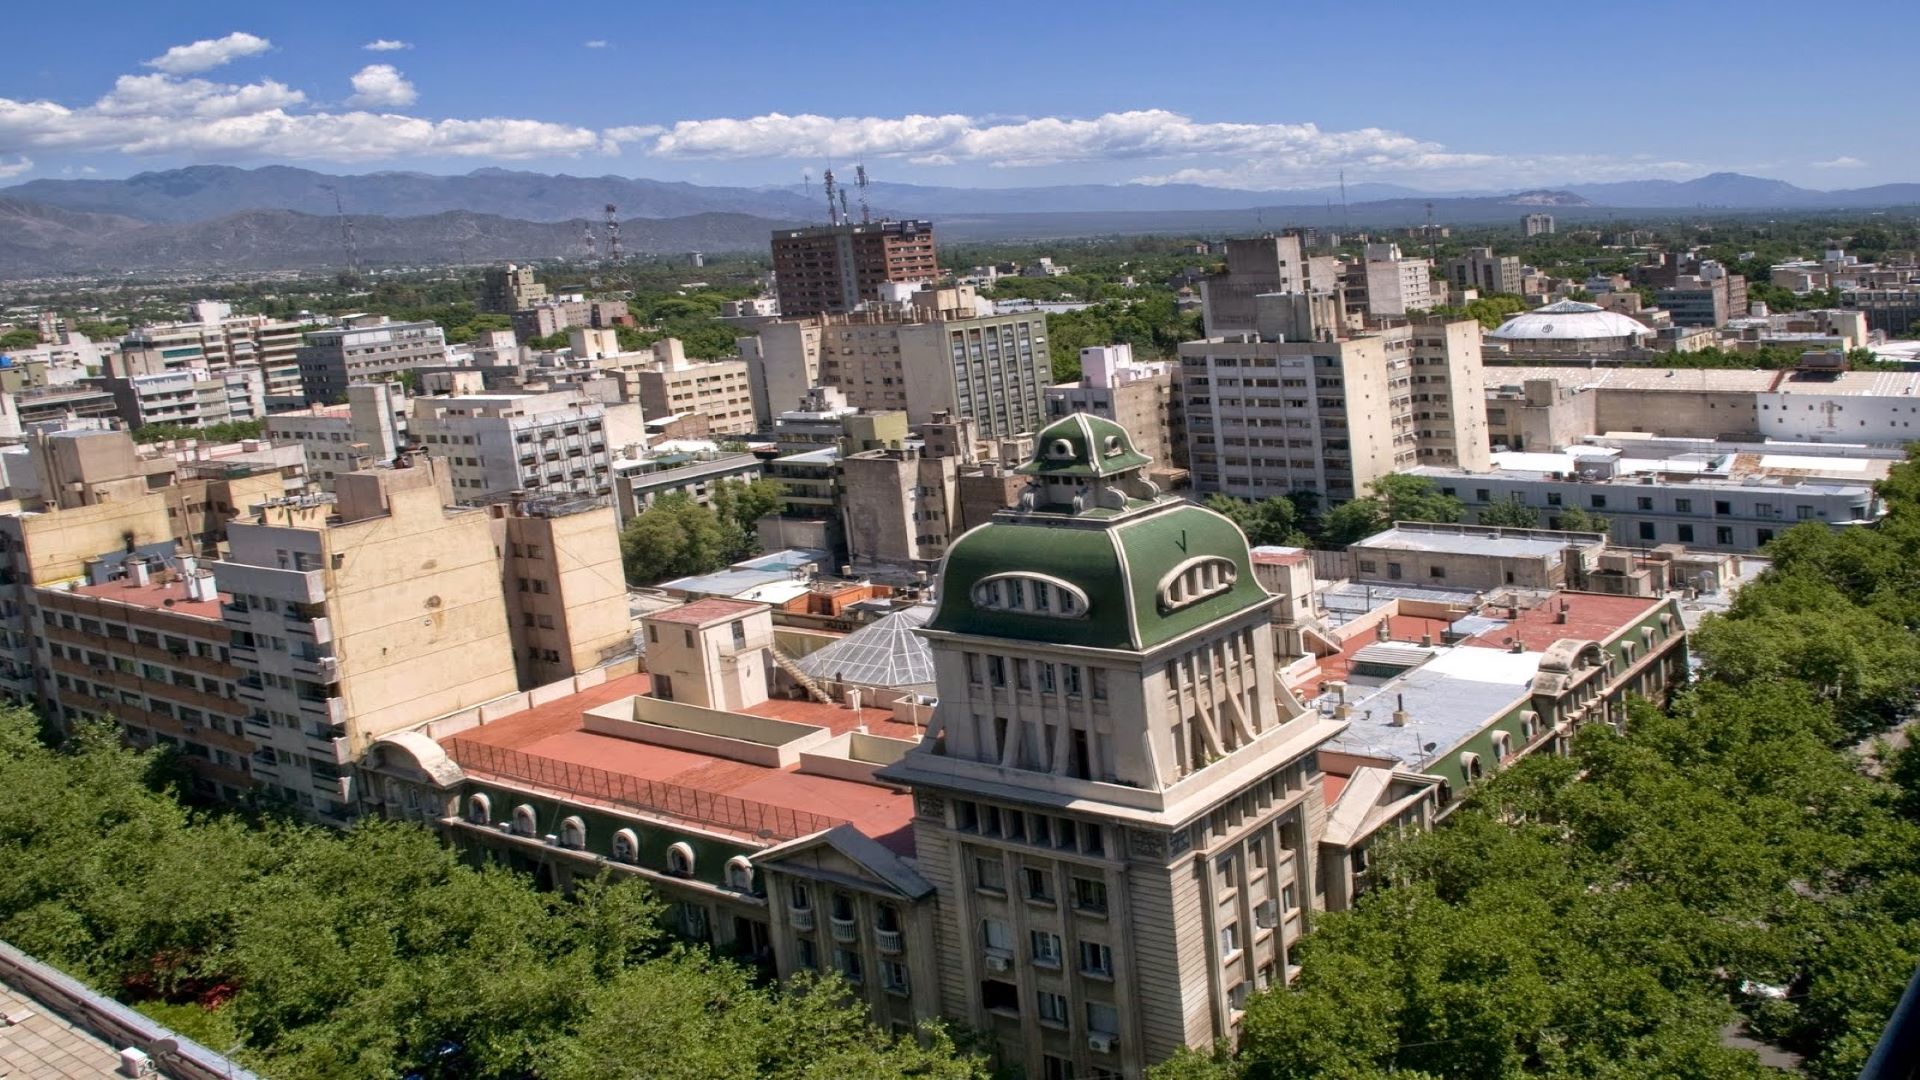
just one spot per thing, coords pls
(220, 341)
(1482, 557)
(900, 505)
(783, 364)
(1138, 395)
(1386, 284)
(1293, 408)
(362, 614)
(566, 591)
(714, 653)
(1481, 269)
(719, 390)
(1255, 266)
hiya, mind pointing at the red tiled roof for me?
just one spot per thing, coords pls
(1280, 558)
(1589, 616)
(712, 609)
(553, 731)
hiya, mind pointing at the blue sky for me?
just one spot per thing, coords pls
(1265, 95)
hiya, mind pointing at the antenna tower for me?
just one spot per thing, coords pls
(860, 180)
(346, 230)
(587, 239)
(826, 183)
(1346, 220)
(844, 216)
(613, 232)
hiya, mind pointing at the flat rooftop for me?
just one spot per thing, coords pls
(1715, 380)
(46, 1046)
(556, 732)
(169, 596)
(1478, 540)
(712, 609)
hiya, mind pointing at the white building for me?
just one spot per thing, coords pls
(369, 429)
(192, 397)
(549, 444)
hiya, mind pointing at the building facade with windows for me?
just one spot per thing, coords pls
(365, 348)
(834, 268)
(558, 443)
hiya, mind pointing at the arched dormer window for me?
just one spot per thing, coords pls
(626, 846)
(1030, 594)
(740, 874)
(573, 833)
(1502, 746)
(1060, 450)
(680, 860)
(1196, 580)
(1110, 447)
(1470, 767)
(525, 821)
(479, 809)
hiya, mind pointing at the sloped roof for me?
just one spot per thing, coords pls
(886, 652)
(1082, 445)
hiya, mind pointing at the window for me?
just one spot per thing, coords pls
(1056, 1068)
(1046, 948)
(1683, 506)
(1684, 533)
(1195, 580)
(1096, 959)
(847, 963)
(799, 897)
(1646, 530)
(1103, 1018)
(525, 823)
(1723, 536)
(1030, 594)
(989, 875)
(573, 833)
(1090, 895)
(1644, 502)
(809, 955)
(1037, 884)
(1598, 502)
(479, 810)
(740, 874)
(893, 976)
(1230, 939)
(1000, 997)
(626, 846)
(996, 936)
(1052, 1008)
(1722, 507)
(1553, 498)
(680, 860)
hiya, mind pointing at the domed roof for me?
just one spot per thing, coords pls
(1569, 320)
(1083, 445)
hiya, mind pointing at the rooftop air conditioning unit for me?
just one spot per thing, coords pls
(135, 1062)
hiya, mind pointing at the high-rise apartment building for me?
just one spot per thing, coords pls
(368, 430)
(1137, 395)
(507, 289)
(1481, 269)
(1117, 805)
(220, 342)
(1292, 407)
(720, 391)
(358, 615)
(566, 594)
(834, 268)
(1386, 284)
(366, 348)
(1537, 224)
(1255, 265)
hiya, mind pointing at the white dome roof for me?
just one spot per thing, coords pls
(1569, 320)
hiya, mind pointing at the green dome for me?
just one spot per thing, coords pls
(1123, 576)
(1083, 445)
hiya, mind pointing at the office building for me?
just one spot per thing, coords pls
(1137, 395)
(1537, 224)
(1386, 284)
(561, 577)
(365, 348)
(1892, 310)
(1256, 265)
(1481, 269)
(190, 397)
(899, 505)
(640, 480)
(558, 443)
(1292, 408)
(368, 430)
(835, 268)
(783, 364)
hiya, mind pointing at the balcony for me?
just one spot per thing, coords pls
(887, 941)
(318, 629)
(845, 931)
(802, 919)
(318, 669)
(250, 692)
(330, 710)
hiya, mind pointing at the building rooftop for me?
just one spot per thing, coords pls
(1448, 699)
(555, 732)
(886, 652)
(1715, 380)
(1569, 320)
(710, 610)
(169, 596)
(1488, 540)
(1814, 474)
(1277, 555)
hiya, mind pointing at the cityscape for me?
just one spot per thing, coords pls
(1118, 586)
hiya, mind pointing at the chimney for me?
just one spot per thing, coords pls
(1426, 641)
(1382, 632)
(1561, 615)
(1400, 710)
(138, 572)
(1518, 646)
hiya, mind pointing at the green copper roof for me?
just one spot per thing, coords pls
(1120, 565)
(1082, 445)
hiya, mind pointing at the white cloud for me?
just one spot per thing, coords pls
(386, 45)
(209, 54)
(596, 44)
(381, 86)
(159, 114)
(11, 169)
(1841, 162)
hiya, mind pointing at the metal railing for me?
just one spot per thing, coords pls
(756, 819)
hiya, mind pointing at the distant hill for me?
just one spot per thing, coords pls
(203, 192)
(38, 240)
(1737, 191)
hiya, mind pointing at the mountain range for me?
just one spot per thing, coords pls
(275, 217)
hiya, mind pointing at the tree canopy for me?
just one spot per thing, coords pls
(1269, 521)
(1395, 497)
(223, 432)
(1512, 514)
(1731, 858)
(326, 955)
(676, 536)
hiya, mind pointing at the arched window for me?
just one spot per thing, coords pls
(740, 874)
(479, 809)
(1502, 746)
(1060, 450)
(573, 833)
(1196, 580)
(626, 846)
(525, 821)
(1470, 767)
(680, 860)
(1031, 594)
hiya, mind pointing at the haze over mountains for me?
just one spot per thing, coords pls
(214, 216)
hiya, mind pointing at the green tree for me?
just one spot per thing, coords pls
(1395, 497)
(1576, 519)
(673, 538)
(1512, 514)
(22, 338)
(739, 505)
(1269, 521)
